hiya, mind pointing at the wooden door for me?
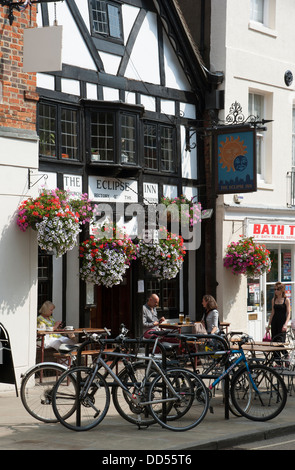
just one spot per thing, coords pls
(114, 306)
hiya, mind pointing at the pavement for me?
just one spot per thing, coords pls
(20, 431)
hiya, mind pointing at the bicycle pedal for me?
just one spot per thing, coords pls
(211, 410)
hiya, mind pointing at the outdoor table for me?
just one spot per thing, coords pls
(266, 349)
(41, 334)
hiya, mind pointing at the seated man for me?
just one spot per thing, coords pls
(149, 313)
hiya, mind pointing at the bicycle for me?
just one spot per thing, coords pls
(38, 382)
(256, 391)
(175, 398)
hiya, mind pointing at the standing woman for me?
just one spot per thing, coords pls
(210, 319)
(280, 313)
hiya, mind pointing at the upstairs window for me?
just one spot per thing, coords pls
(58, 132)
(263, 16)
(112, 134)
(257, 11)
(102, 136)
(256, 108)
(106, 18)
(293, 138)
(159, 147)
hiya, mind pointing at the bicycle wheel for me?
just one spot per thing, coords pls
(261, 405)
(182, 411)
(133, 412)
(73, 407)
(36, 390)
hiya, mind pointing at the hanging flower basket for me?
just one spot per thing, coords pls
(58, 234)
(106, 259)
(248, 258)
(186, 210)
(57, 217)
(163, 259)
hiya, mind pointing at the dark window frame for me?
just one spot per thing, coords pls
(45, 279)
(154, 286)
(55, 139)
(158, 139)
(121, 135)
(107, 33)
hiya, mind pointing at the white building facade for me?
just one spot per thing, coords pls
(129, 68)
(252, 42)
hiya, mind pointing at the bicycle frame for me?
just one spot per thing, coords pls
(151, 362)
(240, 359)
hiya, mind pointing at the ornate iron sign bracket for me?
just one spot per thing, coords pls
(234, 118)
(21, 5)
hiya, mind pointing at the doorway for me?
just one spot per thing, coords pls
(255, 305)
(113, 306)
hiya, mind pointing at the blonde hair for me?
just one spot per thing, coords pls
(46, 306)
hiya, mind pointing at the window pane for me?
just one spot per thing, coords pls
(47, 130)
(272, 276)
(44, 277)
(257, 10)
(256, 108)
(285, 265)
(69, 134)
(114, 21)
(102, 136)
(166, 148)
(99, 14)
(128, 139)
(150, 146)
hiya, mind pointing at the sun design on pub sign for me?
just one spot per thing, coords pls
(232, 154)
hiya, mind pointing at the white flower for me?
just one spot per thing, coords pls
(57, 234)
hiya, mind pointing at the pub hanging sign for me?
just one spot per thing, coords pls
(235, 156)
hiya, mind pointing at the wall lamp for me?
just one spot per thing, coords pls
(21, 5)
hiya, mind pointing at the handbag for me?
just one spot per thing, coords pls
(267, 337)
(198, 328)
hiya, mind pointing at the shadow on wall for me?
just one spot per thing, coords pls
(232, 286)
(18, 267)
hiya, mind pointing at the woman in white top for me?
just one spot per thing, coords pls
(45, 321)
(210, 319)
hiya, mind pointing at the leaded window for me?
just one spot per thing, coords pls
(159, 147)
(106, 18)
(58, 131)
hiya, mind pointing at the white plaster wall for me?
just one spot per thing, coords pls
(253, 58)
(144, 63)
(18, 253)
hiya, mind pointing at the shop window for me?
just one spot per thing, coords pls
(159, 147)
(44, 277)
(106, 19)
(282, 270)
(58, 132)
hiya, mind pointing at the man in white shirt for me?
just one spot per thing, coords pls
(149, 313)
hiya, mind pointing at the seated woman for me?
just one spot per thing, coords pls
(45, 321)
(210, 319)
